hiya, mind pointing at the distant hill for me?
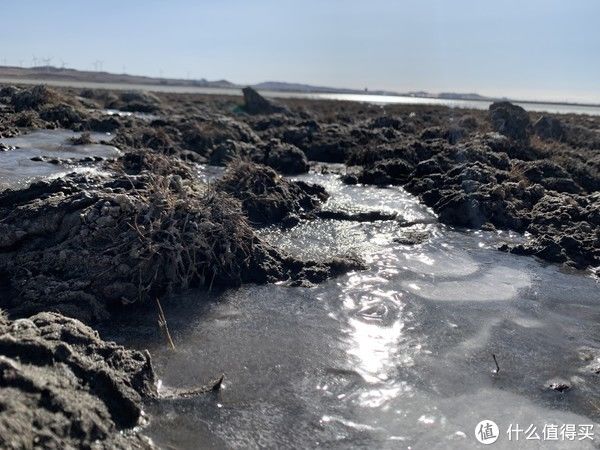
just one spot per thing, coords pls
(63, 74)
(66, 75)
(455, 96)
(308, 88)
(294, 87)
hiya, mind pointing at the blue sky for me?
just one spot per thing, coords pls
(541, 49)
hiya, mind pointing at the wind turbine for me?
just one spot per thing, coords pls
(34, 61)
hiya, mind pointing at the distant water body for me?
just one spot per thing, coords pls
(366, 98)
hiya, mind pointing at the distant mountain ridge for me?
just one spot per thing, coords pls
(299, 87)
(65, 74)
(61, 74)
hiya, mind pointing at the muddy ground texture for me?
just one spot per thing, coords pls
(503, 168)
(61, 386)
(85, 245)
(145, 225)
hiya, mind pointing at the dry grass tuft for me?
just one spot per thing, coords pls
(83, 139)
(35, 97)
(266, 196)
(187, 237)
(162, 323)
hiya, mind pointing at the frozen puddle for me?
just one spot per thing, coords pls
(55, 156)
(397, 356)
(140, 115)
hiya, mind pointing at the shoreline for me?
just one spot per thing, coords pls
(384, 99)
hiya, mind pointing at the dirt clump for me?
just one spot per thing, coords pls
(34, 98)
(85, 245)
(510, 120)
(265, 196)
(61, 386)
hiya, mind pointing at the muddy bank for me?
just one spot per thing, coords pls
(61, 386)
(505, 179)
(505, 169)
(84, 245)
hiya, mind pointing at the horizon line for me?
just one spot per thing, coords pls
(424, 93)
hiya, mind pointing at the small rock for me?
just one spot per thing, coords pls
(510, 120)
(412, 238)
(549, 128)
(254, 103)
(285, 158)
(558, 385)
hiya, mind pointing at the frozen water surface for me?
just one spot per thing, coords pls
(397, 356)
(17, 170)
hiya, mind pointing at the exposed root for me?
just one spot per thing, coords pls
(83, 139)
(214, 385)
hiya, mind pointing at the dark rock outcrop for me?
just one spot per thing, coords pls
(549, 128)
(254, 103)
(510, 120)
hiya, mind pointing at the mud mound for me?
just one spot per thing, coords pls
(285, 158)
(61, 386)
(510, 120)
(549, 128)
(136, 101)
(202, 134)
(62, 115)
(35, 98)
(230, 150)
(86, 245)
(81, 245)
(565, 229)
(266, 197)
(489, 180)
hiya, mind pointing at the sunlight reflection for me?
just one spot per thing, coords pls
(374, 347)
(377, 398)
